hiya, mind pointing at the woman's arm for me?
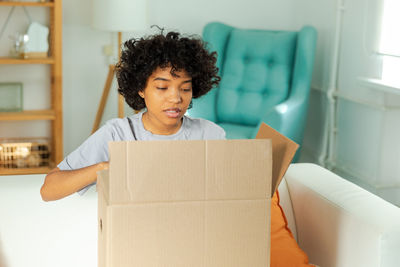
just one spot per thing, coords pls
(59, 184)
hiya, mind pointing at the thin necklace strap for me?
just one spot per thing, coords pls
(133, 131)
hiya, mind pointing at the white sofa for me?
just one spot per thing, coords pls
(335, 222)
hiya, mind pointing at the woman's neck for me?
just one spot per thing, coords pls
(154, 126)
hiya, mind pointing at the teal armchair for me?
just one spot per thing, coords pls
(265, 77)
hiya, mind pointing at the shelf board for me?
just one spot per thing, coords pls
(8, 60)
(16, 171)
(10, 3)
(28, 115)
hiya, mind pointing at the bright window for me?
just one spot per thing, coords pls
(390, 42)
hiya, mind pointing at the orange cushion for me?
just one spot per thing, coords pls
(284, 249)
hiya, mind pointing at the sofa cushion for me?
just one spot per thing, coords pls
(285, 251)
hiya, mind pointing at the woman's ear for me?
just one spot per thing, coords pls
(141, 94)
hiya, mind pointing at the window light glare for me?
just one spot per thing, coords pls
(390, 42)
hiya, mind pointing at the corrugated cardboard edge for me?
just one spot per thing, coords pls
(103, 182)
(283, 151)
(102, 187)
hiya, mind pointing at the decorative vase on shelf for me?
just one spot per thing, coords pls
(19, 43)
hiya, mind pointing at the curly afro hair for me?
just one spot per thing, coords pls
(141, 57)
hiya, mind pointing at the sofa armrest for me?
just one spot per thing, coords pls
(339, 223)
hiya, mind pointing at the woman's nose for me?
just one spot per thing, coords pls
(174, 95)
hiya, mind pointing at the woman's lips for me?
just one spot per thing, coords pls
(172, 112)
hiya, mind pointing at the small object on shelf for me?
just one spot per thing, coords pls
(24, 153)
(11, 97)
(38, 45)
(18, 48)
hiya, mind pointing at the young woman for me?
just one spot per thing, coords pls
(158, 75)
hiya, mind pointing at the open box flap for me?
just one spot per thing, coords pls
(283, 151)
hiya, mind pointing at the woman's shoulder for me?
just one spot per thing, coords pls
(208, 129)
(119, 127)
(202, 122)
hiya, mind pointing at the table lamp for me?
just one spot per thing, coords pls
(116, 16)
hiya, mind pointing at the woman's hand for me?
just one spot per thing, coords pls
(59, 184)
(104, 165)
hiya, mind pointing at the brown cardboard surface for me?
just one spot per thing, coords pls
(283, 151)
(188, 170)
(195, 233)
(186, 203)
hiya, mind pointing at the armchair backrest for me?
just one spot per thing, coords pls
(259, 70)
(256, 73)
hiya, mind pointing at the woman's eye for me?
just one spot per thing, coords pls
(187, 89)
(161, 88)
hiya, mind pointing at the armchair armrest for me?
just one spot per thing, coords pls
(288, 118)
(339, 223)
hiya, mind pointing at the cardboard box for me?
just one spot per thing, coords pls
(189, 203)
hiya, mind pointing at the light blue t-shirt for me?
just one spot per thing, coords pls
(95, 148)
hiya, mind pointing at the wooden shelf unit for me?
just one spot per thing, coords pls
(15, 171)
(7, 60)
(28, 115)
(11, 3)
(54, 114)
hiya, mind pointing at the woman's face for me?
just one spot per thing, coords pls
(167, 98)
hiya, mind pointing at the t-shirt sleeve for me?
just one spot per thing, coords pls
(93, 150)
